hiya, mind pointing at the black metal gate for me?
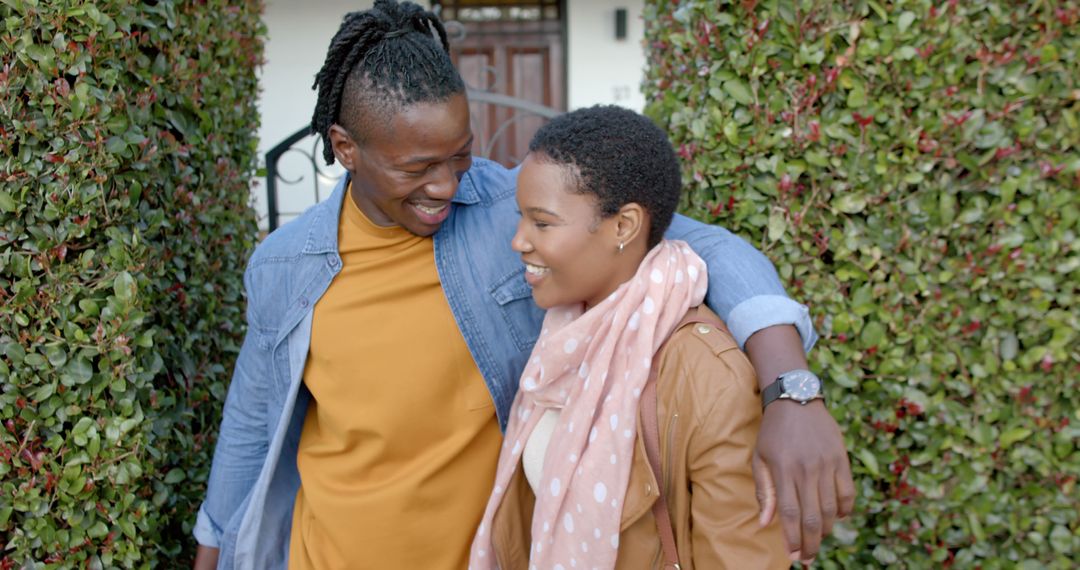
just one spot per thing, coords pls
(300, 192)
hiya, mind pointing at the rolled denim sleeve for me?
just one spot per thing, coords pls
(744, 289)
(243, 438)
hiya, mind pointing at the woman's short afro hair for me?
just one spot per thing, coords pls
(617, 155)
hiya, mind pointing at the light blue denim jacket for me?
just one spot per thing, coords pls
(247, 512)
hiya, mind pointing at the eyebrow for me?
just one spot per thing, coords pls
(537, 210)
(429, 159)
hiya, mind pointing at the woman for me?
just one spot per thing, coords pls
(574, 487)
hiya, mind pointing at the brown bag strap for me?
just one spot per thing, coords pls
(652, 447)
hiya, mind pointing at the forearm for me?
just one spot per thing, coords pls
(206, 558)
(242, 443)
(775, 350)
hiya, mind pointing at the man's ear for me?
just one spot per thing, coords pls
(345, 148)
(631, 222)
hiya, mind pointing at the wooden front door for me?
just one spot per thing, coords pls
(513, 48)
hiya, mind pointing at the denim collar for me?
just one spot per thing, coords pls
(322, 235)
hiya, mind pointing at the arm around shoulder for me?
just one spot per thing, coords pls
(744, 288)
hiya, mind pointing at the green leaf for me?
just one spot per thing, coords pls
(850, 203)
(817, 158)
(777, 225)
(42, 393)
(873, 334)
(82, 426)
(57, 355)
(856, 95)
(7, 204)
(905, 21)
(116, 145)
(867, 458)
(34, 360)
(1014, 435)
(175, 476)
(990, 135)
(739, 91)
(124, 286)
(1061, 539)
(78, 371)
(98, 530)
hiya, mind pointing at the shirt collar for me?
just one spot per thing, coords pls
(323, 233)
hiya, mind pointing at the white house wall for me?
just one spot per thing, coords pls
(600, 69)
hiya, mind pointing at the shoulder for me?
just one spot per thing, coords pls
(703, 364)
(289, 240)
(490, 180)
(703, 342)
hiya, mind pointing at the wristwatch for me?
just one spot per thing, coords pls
(799, 385)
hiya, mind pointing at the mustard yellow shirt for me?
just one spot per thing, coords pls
(398, 450)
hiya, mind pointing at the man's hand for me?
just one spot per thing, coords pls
(206, 558)
(802, 470)
(800, 465)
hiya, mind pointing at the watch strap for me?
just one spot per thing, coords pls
(771, 392)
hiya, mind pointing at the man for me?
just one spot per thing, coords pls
(388, 325)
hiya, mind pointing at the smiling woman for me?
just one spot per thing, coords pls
(596, 192)
(565, 243)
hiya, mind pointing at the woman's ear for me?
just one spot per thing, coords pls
(631, 222)
(343, 145)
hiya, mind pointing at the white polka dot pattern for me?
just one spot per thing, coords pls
(577, 515)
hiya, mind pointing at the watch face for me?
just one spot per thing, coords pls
(801, 385)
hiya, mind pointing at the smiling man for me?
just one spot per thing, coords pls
(388, 326)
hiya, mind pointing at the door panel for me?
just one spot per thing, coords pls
(512, 48)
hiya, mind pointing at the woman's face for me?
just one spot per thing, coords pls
(571, 254)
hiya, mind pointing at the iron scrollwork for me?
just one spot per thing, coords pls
(308, 147)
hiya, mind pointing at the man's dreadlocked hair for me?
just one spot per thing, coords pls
(380, 61)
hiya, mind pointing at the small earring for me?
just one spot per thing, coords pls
(621, 245)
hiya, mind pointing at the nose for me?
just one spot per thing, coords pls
(520, 243)
(444, 183)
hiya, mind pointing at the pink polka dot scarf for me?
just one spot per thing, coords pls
(593, 365)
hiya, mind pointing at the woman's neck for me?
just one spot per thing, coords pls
(628, 264)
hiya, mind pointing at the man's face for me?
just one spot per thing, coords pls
(405, 174)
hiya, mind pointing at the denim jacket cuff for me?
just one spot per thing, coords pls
(763, 311)
(206, 532)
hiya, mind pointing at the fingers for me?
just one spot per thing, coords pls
(845, 489)
(827, 499)
(765, 490)
(787, 503)
(811, 512)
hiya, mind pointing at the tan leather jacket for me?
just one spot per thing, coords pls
(709, 412)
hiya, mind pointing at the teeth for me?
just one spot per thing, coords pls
(430, 211)
(535, 269)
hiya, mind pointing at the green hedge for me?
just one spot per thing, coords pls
(127, 147)
(912, 169)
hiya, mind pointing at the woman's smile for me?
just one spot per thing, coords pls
(535, 273)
